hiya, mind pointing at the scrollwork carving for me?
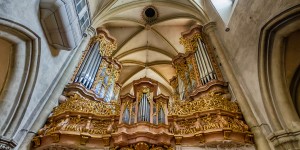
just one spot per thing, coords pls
(77, 103)
(211, 102)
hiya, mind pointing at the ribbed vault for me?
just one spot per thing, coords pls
(147, 49)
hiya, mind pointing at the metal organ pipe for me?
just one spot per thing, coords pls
(199, 66)
(140, 109)
(144, 107)
(92, 69)
(213, 75)
(147, 110)
(79, 74)
(206, 67)
(207, 60)
(201, 62)
(91, 65)
(84, 72)
(95, 71)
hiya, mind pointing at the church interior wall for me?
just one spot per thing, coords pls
(241, 44)
(50, 65)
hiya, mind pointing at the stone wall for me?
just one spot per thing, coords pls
(51, 65)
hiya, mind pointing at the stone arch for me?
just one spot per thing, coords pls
(21, 76)
(295, 90)
(281, 112)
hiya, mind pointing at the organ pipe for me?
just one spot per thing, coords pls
(126, 116)
(95, 71)
(90, 65)
(145, 103)
(79, 73)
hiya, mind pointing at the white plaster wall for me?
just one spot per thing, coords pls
(241, 44)
(52, 60)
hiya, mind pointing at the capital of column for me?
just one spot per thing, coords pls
(209, 27)
(7, 144)
(91, 31)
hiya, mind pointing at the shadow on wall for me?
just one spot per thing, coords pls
(23, 46)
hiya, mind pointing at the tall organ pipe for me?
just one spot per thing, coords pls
(199, 67)
(92, 69)
(79, 73)
(140, 109)
(207, 69)
(91, 65)
(207, 60)
(147, 112)
(144, 108)
(202, 63)
(95, 71)
(213, 72)
(85, 69)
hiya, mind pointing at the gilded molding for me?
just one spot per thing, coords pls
(77, 103)
(212, 101)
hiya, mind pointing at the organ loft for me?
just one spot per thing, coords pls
(93, 114)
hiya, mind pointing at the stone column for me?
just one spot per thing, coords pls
(41, 117)
(260, 139)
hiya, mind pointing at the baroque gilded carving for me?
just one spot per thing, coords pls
(190, 43)
(212, 101)
(77, 103)
(143, 146)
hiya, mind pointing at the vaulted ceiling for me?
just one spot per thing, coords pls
(147, 49)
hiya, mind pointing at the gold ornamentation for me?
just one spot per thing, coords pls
(106, 46)
(143, 146)
(84, 139)
(55, 138)
(211, 102)
(226, 134)
(99, 78)
(190, 44)
(178, 140)
(106, 141)
(37, 141)
(209, 122)
(200, 137)
(77, 103)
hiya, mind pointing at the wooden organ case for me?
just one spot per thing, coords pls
(199, 113)
(143, 116)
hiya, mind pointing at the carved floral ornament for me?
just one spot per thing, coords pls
(91, 119)
(107, 45)
(77, 103)
(143, 146)
(190, 43)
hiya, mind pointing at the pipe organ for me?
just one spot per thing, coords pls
(97, 71)
(143, 106)
(202, 109)
(199, 113)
